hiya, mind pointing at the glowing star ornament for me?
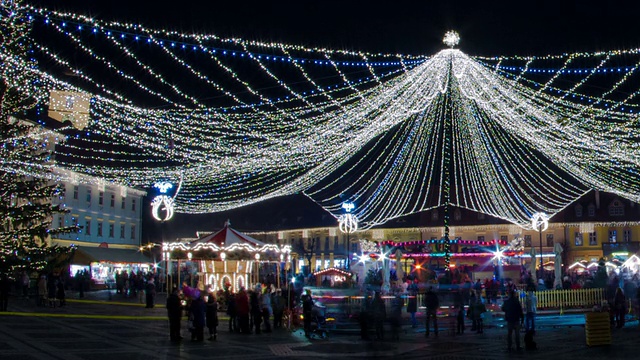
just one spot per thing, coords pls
(451, 38)
(539, 221)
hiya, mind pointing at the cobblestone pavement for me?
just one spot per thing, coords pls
(120, 329)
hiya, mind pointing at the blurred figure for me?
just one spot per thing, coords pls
(5, 287)
(198, 312)
(432, 304)
(174, 312)
(620, 305)
(379, 315)
(212, 317)
(515, 317)
(395, 316)
(307, 310)
(412, 304)
(278, 304)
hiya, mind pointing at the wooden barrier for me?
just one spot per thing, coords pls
(572, 298)
(597, 328)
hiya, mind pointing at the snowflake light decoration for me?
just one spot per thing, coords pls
(451, 38)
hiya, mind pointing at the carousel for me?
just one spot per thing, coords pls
(229, 259)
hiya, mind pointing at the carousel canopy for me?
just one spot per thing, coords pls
(226, 237)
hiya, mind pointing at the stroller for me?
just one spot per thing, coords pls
(318, 320)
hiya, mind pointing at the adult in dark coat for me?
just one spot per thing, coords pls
(242, 309)
(379, 315)
(174, 312)
(212, 317)
(412, 304)
(514, 316)
(432, 304)
(307, 312)
(232, 312)
(395, 316)
(198, 312)
(151, 293)
(256, 310)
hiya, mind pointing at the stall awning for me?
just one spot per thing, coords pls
(87, 255)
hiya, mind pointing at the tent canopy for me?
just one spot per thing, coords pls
(88, 255)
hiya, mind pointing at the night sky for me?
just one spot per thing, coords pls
(409, 27)
(486, 27)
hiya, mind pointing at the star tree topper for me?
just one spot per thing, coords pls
(451, 38)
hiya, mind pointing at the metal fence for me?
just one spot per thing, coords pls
(572, 298)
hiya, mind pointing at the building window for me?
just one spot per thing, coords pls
(613, 235)
(336, 245)
(133, 232)
(504, 239)
(457, 215)
(69, 101)
(121, 231)
(60, 222)
(100, 228)
(527, 240)
(317, 244)
(434, 215)
(480, 238)
(133, 204)
(579, 240)
(593, 240)
(591, 210)
(113, 200)
(578, 210)
(89, 196)
(87, 227)
(101, 198)
(550, 240)
(616, 208)
(76, 190)
(111, 230)
(480, 216)
(626, 235)
(326, 243)
(123, 203)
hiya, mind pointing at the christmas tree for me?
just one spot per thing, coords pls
(26, 191)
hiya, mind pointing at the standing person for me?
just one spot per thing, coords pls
(198, 311)
(379, 315)
(278, 304)
(265, 305)
(515, 317)
(396, 316)
(60, 292)
(478, 309)
(42, 290)
(256, 309)
(174, 312)
(531, 307)
(25, 284)
(51, 290)
(412, 304)
(365, 314)
(212, 317)
(5, 287)
(432, 303)
(619, 305)
(231, 311)
(460, 320)
(242, 310)
(307, 310)
(151, 293)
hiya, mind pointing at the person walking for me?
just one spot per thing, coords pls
(256, 309)
(278, 303)
(515, 317)
(531, 307)
(231, 311)
(365, 314)
(174, 312)
(307, 312)
(395, 316)
(265, 305)
(478, 309)
(379, 315)
(242, 310)
(5, 287)
(619, 305)
(432, 304)
(412, 303)
(198, 310)
(212, 317)
(151, 293)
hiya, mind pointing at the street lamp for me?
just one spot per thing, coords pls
(348, 223)
(258, 266)
(540, 223)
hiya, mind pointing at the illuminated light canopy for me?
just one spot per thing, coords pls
(527, 133)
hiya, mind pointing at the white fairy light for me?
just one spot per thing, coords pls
(451, 38)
